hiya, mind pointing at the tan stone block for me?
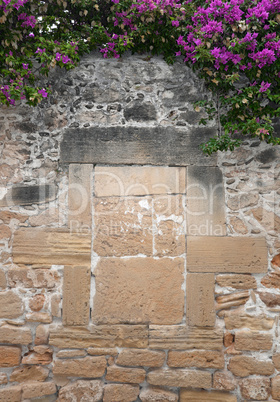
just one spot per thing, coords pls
(205, 396)
(226, 254)
(88, 367)
(80, 196)
(3, 281)
(139, 290)
(180, 337)
(29, 373)
(237, 281)
(45, 246)
(200, 300)
(276, 360)
(101, 336)
(3, 378)
(252, 340)
(102, 351)
(196, 358)
(228, 339)
(127, 375)
(81, 390)
(76, 295)
(35, 389)
(5, 232)
(205, 201)
(9, 356)
(14, 335)
(43, 356)
(10, 394)
(138, 357)
(138, 180)
(7, 216)
(62, 354)
(243, 366)
(275, 387)
(180, 378)
(157, 395)
(32, 278)
(239, 320)
(10, 305)
(270, 299)
(268, 220)
(224, 381)
(271, 280)
(45, 318)
(55, 305)
(257, 388)
(123, 226)
(36, 303)
(227, 301)
(240, 201)
(42, 335)
(238, 225)
(120, 393)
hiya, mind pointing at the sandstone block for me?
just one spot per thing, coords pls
(3, 378)
(226, 254)
(37, 302)
(88, 367)
(126, 375)
(157, 395)
(5, 232)
(139, 290)
(13, 335)
(42, 335)
(62, 354)
(243, 366)
(41, 356)
(240, 201)
(197, 358)
(10, 305)
(45, 318)
(276, 360)
(259, 323)
(45, 246)
(138, 180)
(10, 394)
(81, 390)
(237, 281)
(255, 388)
(7, 216)
(180, 378)
(35, 389)
(200, 300)
(138, 357)
(238, 225)
(224, 381)
(205, 396)
(252, 340)
(271, 280)
(103, 351)
(275, 387)
(120, 393)
(32, 278)
(9, 356)
(29, 373)
(270, 299)
(3, 281)
(76, 295)
(268, 220)
(55, 305)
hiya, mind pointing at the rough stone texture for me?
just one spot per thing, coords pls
(258, 323)
(204, 396)
(134, 180)
(42, 335)
(272, 280)
(180, 378)
(120, 393)
(275, 387)
(29, 373)
(28, 195)
(39, 356)
(37, 302)
(36, 390)
(13, 335)
(137, 357)
(3, 378)
(243, 366)
(226, 254)
(270, 299)
(224, 381)
(37, 246)
(10, 356)
(237, 281)
(197, 358)
(81, 390)
(205, 201)
(10, 394)
(276, 360)
(71, 353)
(126, 375)
(157, 395)
(103, 351)
(10, 305)
(45, 318)
(76, 295)
(88, 367)
(252, 340)
(255, 388)
(200, 300)
(268, 220)
(32, 278)
(3, 282)
(139, 290)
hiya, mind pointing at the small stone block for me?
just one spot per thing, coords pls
(206, 396)
(180, 378)
(28, 195)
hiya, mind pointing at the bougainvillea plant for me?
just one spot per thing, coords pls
(234, 45)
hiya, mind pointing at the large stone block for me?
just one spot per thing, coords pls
(196, 358)
(139, 290)
(243, 366)
(9, 356)
(39, 246)
(10, 305)
(138, 357)
(226, 254)
(76, 295)
(180, 378)
(205, 396)
(252, 340)
(15, 335)
(29, 373)
(120, 393)
(237, 281)
(35, 389)
(88, 367)
(28, 195)
(126, 375)
(136, 145)
(10, 394)
(81, 390)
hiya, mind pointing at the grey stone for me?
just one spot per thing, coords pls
(28, 195)
(140, 111)
(267, 156)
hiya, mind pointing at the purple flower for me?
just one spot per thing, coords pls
(25, 66)
(175, 23)
(43, 92)
(264, 86)
(57, 56)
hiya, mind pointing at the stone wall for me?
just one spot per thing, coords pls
(132, 267)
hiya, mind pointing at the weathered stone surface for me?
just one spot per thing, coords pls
(55, 305)
(224, 381)
(138, 357)
(8, 216)
(226, 254)
(205, 201)
(252, 340)
(10, 305)
(276, 360)
(103, 351)
(39, 356)
(37, 302)
(181, 337)
(240, 201)
(243, 366)
(28, 195)
(81, 390)
(123, 226)
(127, 375)
(3, 281)
(29, 373)
(135, 180)
(49, 217)
(272, 280)
(197, 358)
(259, 323)
(255, 388)
(268, 220)
(39, 246)
(136, 145)
(45, 318)
(275, 262)
(88, 367)
(9, 356)
(275, 387)
(140, 111)
(104, 336)
(3, 378)
(80, 196)
(157, 395)
(120, 393)
(237, 281)
(13, 335)
(76, 295)
(270, 299)
(35, 389)
(10, 394)
(180, 378)
(200, 300)
(32, 278)
(232, 299)
(205, 396)
(42, 335)
(71, 353)
(238, 225)
(139, 290)
(5, 232)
